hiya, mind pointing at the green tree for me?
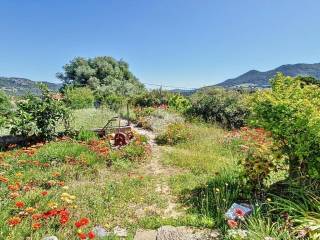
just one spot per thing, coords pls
(38, 115)
(5, 108)
(101, 73)
(291, 112)
(78, 98)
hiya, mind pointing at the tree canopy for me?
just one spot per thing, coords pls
(102, 74)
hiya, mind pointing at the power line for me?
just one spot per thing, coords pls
(167, 86)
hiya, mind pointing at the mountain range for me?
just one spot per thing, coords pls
(253, 78)
(259, 79)
(20, 86)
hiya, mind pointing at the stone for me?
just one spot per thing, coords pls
(186, 233)
(50, 238)
(120, 232)
(145, 235)
(100, 232)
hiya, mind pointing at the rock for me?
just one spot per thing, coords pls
(100, 232)
(120, 232)
(186, 233)
(50, 238)
(145, 235)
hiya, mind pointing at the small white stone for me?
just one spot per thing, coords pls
(120, 232)
(50, 238)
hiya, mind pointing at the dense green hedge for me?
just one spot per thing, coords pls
(225, 107)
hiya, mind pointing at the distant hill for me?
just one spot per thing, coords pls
(256, 78)
(20, 86)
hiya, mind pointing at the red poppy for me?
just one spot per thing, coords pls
(239, 212)
(82, 235)
(20, 204)
(50, 213)
(82, 222)
(91, 235)
(232, 223)
(64, 216)
(44, 193)
(36, 225)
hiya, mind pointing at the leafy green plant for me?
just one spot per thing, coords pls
(134, 152)
(38, 116)
(79, 98)
(5, 109)
(225, 107)
(86, 135)
(260, 156)
(175, 133)
(152, 98)
(179, 103)
(290, 111)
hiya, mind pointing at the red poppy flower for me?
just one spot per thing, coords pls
(50, 213)
(232, 223)
(20, 204)
(64, 216)
(82, 235)
(44, 193)
(91, 235)
(36, 225)
(239, 212)
(82, 222)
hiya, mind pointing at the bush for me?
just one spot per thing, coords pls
(261, 156)
(5, 109)
(174, 134)
(153, 98)
(38, 116)
(290, 111)
(225, 107)
(79, 98)
(179, 103)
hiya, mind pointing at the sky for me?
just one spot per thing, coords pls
(180, 43)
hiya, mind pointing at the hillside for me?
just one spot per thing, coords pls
(256, 78)
(20, 86)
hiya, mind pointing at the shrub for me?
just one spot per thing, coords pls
(153, 98)
(261, 156)
(179, 103)
(78, 98)
(290, 111)
(174, 134)
(109, 100)
(38, 116)
(5, 109)
(225, 107)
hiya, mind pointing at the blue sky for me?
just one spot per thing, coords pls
(184, 43)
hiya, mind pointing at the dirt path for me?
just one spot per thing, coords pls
(161, 173)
